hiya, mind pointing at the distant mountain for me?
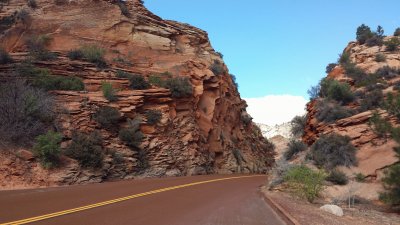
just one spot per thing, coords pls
(272, 131)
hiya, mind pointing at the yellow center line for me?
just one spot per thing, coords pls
(113, 201)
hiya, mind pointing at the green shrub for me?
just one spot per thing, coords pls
(94, 54)
(50, 83)
(233, 77)
(37, 47)
(337, 91)
(27, 69)
(363, 34)
(217, 68)
(25, 111)
(330, 67)
(329, 112)
(372, 100)
(392, 44)
(123, 74)
(392, 104)
(293, 148)
(355, 73)
(380, 126)
(314, 92)
(380, 57)
(5, 58)
(298, 124)
(153, 116)
(344, 58)
(387, 72)
(397, 32)
(156, 81)
(108, 91)
(132, 135)
(75, 54)
(337, 177)
(359, 177)
(32, 4)
(333, 150)
(374, 41)
(391, 182)
(138, 82)
(108, 117)
(47, 149)
(180, 87)
(305, 182)
(86, 149)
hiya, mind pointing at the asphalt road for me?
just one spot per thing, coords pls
(206, 200)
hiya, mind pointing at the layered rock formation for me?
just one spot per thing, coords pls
(207, 132)
(374, 153)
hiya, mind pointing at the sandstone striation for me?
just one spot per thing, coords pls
(201, 134)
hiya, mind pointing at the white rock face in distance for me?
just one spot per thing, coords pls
(333, 209)
(271, 131)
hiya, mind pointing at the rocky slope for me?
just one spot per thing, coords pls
(208, 132)
(374, 153)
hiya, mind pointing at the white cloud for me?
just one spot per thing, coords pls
(275, 109)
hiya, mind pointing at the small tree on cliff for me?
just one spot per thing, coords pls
(363, 33)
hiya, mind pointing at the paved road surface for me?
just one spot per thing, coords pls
(225, 202)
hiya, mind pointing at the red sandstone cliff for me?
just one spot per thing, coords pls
(201, 134)
(374, 153)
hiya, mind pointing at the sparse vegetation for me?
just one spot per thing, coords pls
(153, 116)
(5, 58)
(37, 47)
(138, 82)
(305, 182)
(359, 177)
(340, 92)
(90, 53)
(124, 9)
(108, 91)
(363, 33)
(329, 111)
(298, 124)
(32, 4)
(25, 112)
(371, 100)
(380, 126)
(392, 104)
(314, 92)
(392, 44)
(217, 68)
(333, 150)
(391, 182)
(330, 67)
(366, 36)
(47, 149)
(132, 135)
(337, 177)
(344, 58)
(49, 83)
(156, 80)
(380, 57)
(108, 117)
(387, 72)
(293, 148)
(75, 54)
(180, 87)
(233, 77)
(86, 149)
(397, 32)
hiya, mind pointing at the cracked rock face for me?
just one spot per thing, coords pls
(200, 134)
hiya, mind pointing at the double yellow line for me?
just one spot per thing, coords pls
(79, 209)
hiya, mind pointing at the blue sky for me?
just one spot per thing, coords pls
(279, 47)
